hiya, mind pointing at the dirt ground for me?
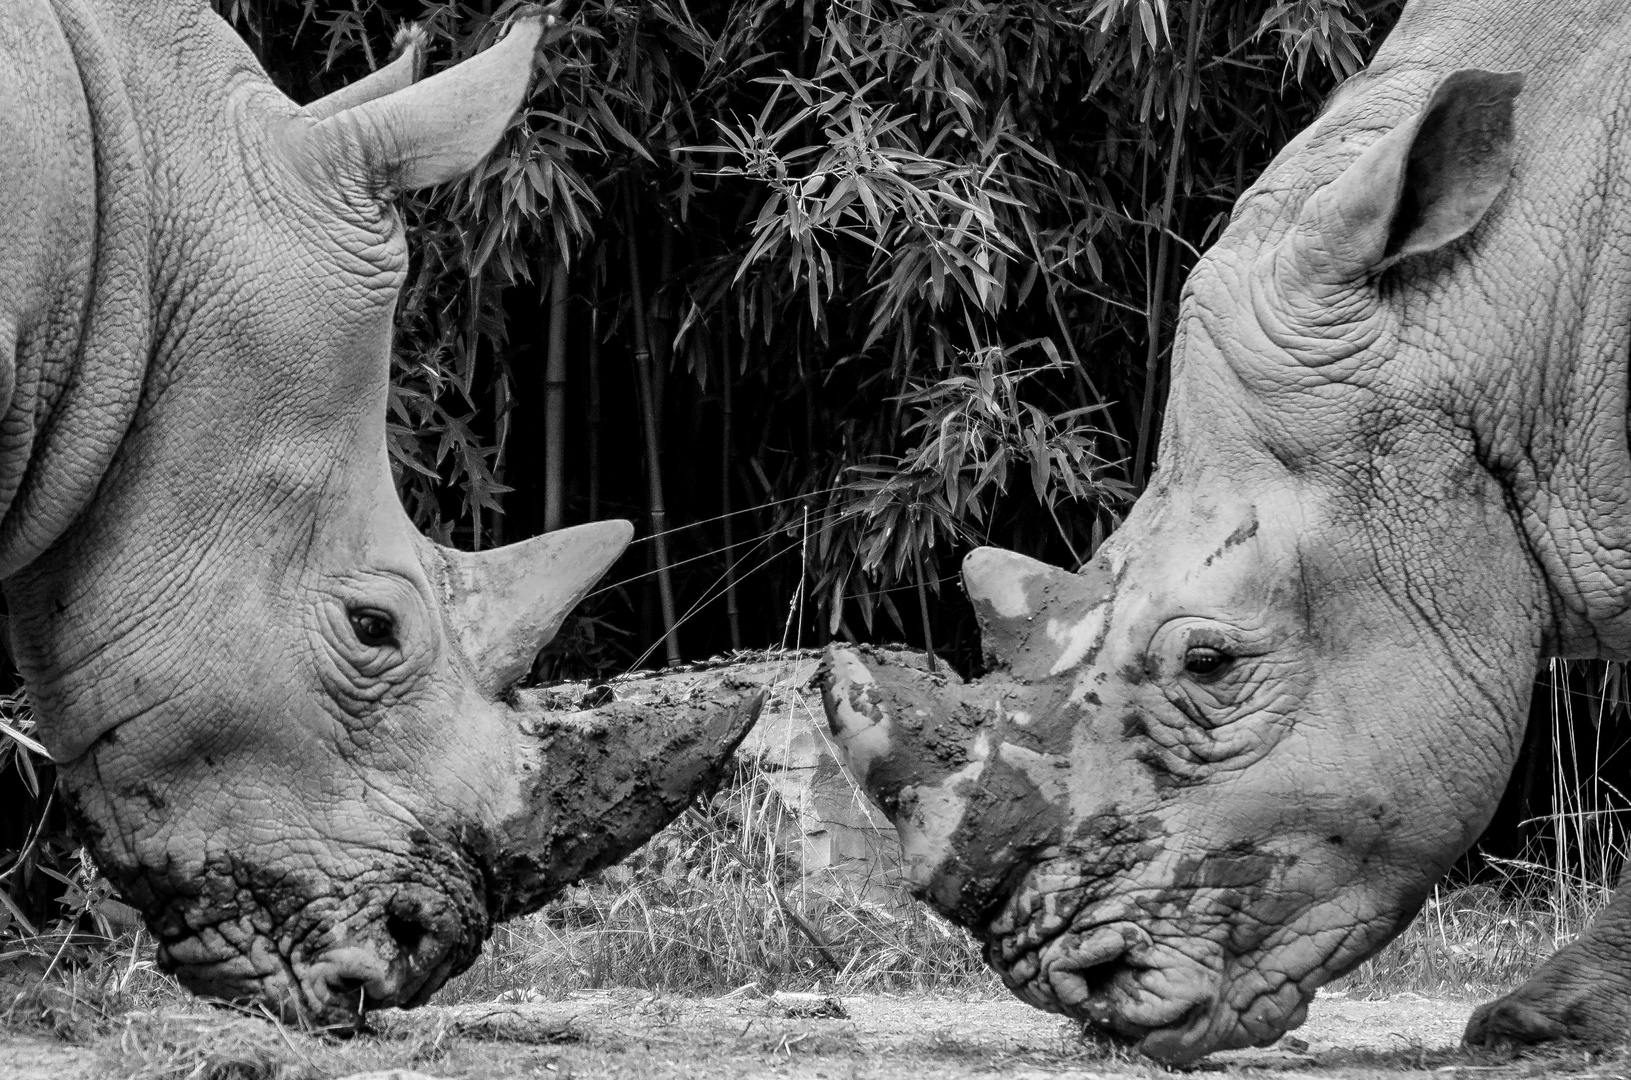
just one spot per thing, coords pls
(636, 1035)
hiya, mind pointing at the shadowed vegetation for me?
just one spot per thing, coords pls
(822, 294)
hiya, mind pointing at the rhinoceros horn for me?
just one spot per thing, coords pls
(507, 603)
(972, 773)
(596, 782)
(934, 754)
(1010, 591)
(601, 781)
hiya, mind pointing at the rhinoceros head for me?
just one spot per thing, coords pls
(1223, 763)
(287, 720)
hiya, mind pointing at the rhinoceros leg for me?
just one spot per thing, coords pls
(1583, 993)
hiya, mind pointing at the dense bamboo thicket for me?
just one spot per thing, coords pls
(819, 294)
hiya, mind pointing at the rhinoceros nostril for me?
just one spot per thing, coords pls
(1086, 990)
(1082, 969)
(1099, 978)
(408, 933)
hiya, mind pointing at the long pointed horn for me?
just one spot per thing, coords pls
(932, 753)
(599, 782)
(1035, 619)
(507, 603)
(401, 72)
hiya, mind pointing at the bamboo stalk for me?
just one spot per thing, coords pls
(807, 369)
(555, 401)
(662, 321)
(594, 408)
(727, 377)
(1158, 294)
(501, 435)
(473, 343)
(649, 404)
(923, 611)
(594, 395)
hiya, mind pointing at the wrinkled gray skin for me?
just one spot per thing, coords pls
(1226, 761)
(286, 719)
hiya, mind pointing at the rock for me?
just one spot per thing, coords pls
(533, 1022)
(795, 1006)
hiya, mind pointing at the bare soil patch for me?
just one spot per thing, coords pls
(639, 1035)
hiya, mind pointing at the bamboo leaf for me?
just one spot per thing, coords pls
(617, 130)
(27, 742)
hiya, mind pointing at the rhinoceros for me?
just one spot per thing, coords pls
(286, 721)
(1226, 760)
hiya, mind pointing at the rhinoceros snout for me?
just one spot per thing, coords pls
(400, 962)
(324, 947)
(397, 964)
(1108, 977)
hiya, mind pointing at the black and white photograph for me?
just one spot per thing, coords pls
(815, 539)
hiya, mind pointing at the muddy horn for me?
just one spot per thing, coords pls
(598, 782)
(974, 775)
(969, 789)
(595, 783)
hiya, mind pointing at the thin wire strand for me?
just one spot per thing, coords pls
(713, 590)
(620, 582)
(737, 513)
(697, 606)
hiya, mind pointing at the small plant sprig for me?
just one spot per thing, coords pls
(22, 753)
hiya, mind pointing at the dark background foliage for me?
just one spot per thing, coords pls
(906, 280)
(821, 294)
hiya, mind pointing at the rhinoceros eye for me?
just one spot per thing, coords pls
(1203, 660)
(373, 628)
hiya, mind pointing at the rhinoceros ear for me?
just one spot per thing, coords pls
(424, 133)
(1420, 186)
(407, 64)
(1035, 620)
(505, 604)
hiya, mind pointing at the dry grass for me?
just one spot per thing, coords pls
(1475, 942)
(688, 919)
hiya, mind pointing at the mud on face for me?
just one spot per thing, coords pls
(323, 944)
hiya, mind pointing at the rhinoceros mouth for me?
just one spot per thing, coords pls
(1112, 961)
(1167, 999)
(1116, 979)
(323, 949)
